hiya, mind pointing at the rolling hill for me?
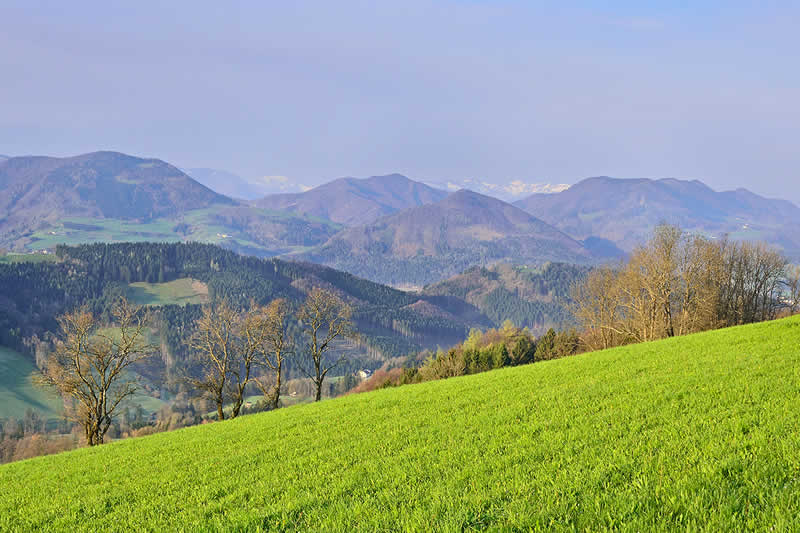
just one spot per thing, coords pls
(432, 242)
(690, 433)
(100, 184)
(625, 211)
(110, 197)
(351, 201)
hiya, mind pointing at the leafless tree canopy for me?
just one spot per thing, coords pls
(89, 367)
(325, 318)
(227, 342)
(678, 284)
(276, 348)
(793, 289)
(231, 343)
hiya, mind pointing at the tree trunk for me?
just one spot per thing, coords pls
(220, 413)
(276, 394)
(319, 390)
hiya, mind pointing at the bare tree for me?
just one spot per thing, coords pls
(677, 284)
(325, 318)
(697, 296)
(213, 341)
(275, 349)
(228, 343)
(90, 368)
(595, 306)
(793, 289)
(751, 283)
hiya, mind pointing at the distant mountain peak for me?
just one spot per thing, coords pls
(354, 201)
(387, 177)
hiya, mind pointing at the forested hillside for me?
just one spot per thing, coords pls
(533, 297)
(33, 294)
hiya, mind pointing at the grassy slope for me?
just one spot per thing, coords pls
(202, 228)
(699, 432)
(17, 391)
(27, 258)
(180, 291)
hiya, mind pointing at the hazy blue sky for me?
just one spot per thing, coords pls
(445, 90)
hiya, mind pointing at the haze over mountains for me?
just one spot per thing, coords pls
(226, 183)
(388, 228)
(508, 192)
(626, 210)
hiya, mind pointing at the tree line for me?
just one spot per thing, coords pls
(679, 283)
(236, 347)
(508, 345)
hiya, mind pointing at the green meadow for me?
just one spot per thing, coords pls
(200, 225)
(9, 258)
(18, 393)
(180, 291)
(698, 433)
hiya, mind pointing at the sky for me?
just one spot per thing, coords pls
(444, 91)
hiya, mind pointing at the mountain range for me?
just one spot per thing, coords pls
(109, 196)
(625, 211)
(388, 228)
(427, 243)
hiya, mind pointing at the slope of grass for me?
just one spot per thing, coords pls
(263, 231)
(27, 258)
(17, 390)
(700, 432)
(180, 291)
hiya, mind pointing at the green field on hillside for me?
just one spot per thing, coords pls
(78, 230)
(266, 235)
(27, 258)
(180, 291)
(699, 433)
(17, 391)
